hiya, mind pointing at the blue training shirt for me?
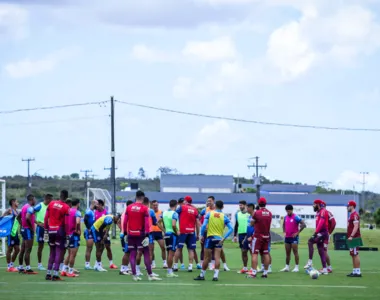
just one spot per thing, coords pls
(153, 216)
(89, 218)
(250, 228)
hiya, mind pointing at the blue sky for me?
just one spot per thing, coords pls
(303, 62)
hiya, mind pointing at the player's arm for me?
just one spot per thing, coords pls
(29, 213)
(160, 225)
(236, 226)
(125, 224)
(86, 221)
(320, 224)
(37, 209)
(283, 226)
(146, 223)
(356, 227)
(7, 212)
(205, 223)
(302, 226)
(77, 222)
(46, 219)
(227, 222)
(174, 223)
(197, 226)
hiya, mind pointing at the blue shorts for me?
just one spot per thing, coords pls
(27, 234)
(212, 242)
(88, 234)
(157, 235)
(13, 240)
(124, 245)
(74, 241)
(241, 239)
(99, 235)
(292, 240)
(40, 231)
(246, 245)
(189, 239)
(171, 241)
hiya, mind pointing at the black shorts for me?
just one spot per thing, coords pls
(13, 240)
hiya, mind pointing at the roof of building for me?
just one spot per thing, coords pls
(197, 181)
(277, 199)
(286, 188)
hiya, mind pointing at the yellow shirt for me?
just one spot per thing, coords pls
(216, 221)
(103, 223)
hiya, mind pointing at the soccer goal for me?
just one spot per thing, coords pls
(101, 194)
(2, 210)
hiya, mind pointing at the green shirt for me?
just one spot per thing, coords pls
(242, 219)
(168, 221)
(40, 210)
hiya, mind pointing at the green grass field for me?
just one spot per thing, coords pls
(93, 285)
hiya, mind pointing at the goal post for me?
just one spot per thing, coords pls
(100, 194)
(2, 210)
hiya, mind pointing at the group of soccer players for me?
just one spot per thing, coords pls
(58, 222)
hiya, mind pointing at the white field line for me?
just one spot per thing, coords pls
(295, 285)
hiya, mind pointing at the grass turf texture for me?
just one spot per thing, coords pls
(231, 285)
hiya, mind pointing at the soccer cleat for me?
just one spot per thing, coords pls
(153, 266)
(76, 271)
(286, 269)
(322, 272)
(138, 273)
(100, 269)
(154, 278)
(295, 270)
(199, 278)
(48, 277)
(251, 275)
(21, 271)
(124, 273)
(260, 271)
(113, 266)
(165, 266)
(171, 275)
(243, 271)
(190, 269)
(215, 279)
(12, 270)
(308, 266)
(199, 267)
(183, 267)
(41, 268)
(136, 278)
(175, 270)
(354, 275)
(88, 268)
(264, 276)
(63, 274)
(30, 272)
(72, 275)
(330, 271)
(56, 278)
(226, 268)
(155, 275)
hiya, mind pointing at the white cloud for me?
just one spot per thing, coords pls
(182, 87)
(213, 138)
(13, 21)
(219, 49)
(350, 179)
(28, 68)
(148, 54)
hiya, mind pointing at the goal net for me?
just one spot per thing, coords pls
(100, 194)
(2, 210)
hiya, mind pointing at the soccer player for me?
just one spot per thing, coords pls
(136, 229)
(27, 232)
(170, 220)
(320, 236)
(248, 239)
(99, 212)
(156, 235)
(54, 224)
(100, 232)
(240, 232)
(73, 230)
(331, 228)
(40, 211)
(180, 256)
(13, 240)
(188, 225)
(124, 269)
(215, 221)
(89, 219)
(353, 231)
(292, 227)
(262, 220)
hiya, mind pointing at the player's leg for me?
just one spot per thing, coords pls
(148, 262)
(356, 272)
(89, 246)
(28, 251)
(107, 245)
(255, 249)
(132, 247)
(66, 261)
(191, 243)
(161, 243)
(40, 241)
(21, 257)
(138, 262)
(328, 261)
(151, 249)
(217, 250)
(99, 252)
(321, 246)
(224, 260)
(310, 244)
(52, 246)
(16, 251)
(208, 245)
(178, 254)
(288, 252)
(74, 246)
(171, 246)
(244, 252)
(296, 256)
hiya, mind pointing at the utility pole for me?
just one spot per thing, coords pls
(257, 175)
(86, 172)
(113, 173)
(28, 160)
(362, 205)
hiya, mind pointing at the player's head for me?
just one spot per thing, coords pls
(262, 202)
(351, 206)
(210, 201)
(257, 207)
(94, 204)
(116, 218)
(13, 203)
(100, 206)
(146, 201)
(289, 209)
(48, 198)
(323, 204)
(242, 205)
(154, 205)
(188, 200)
(69, 202)
(181, 201)
(31, 199)
(64, 195)
(317, 205)
(173, 204)
(129, 202)
(219, 204)
(140, 196)
(250, 208)
(75, 203)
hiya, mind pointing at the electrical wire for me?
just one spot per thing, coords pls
(248, 121)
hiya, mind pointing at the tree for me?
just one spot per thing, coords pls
(141, 173)
(167, 170)
(74, 176)
(376, 217)
(123, 185)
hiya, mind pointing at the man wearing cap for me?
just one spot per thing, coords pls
(188, 225)
(331, 228)
(353, 232)
(320, 236)
(262, 220)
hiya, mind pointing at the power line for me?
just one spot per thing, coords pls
(249, 121)
(52, 107)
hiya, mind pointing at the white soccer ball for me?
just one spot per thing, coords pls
(314, 274)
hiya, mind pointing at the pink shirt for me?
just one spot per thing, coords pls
(72, 220)
(99, 214)
(27, 209)
(291, 225)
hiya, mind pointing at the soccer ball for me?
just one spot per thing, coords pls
(314, 274)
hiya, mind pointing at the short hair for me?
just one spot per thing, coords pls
(289, 207)
(257, 207)
(211, 197)
(129, 202)
(13, 200)
(154, 201)
(173, 203)
(69, 201)
(219, 204)
(146, 200)
(29, 197)
(140, 194)
(65, 193)
(101, 202)
(251, 205)
(243, 202)
(75, 202)
(48, 196)
(181, 200)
